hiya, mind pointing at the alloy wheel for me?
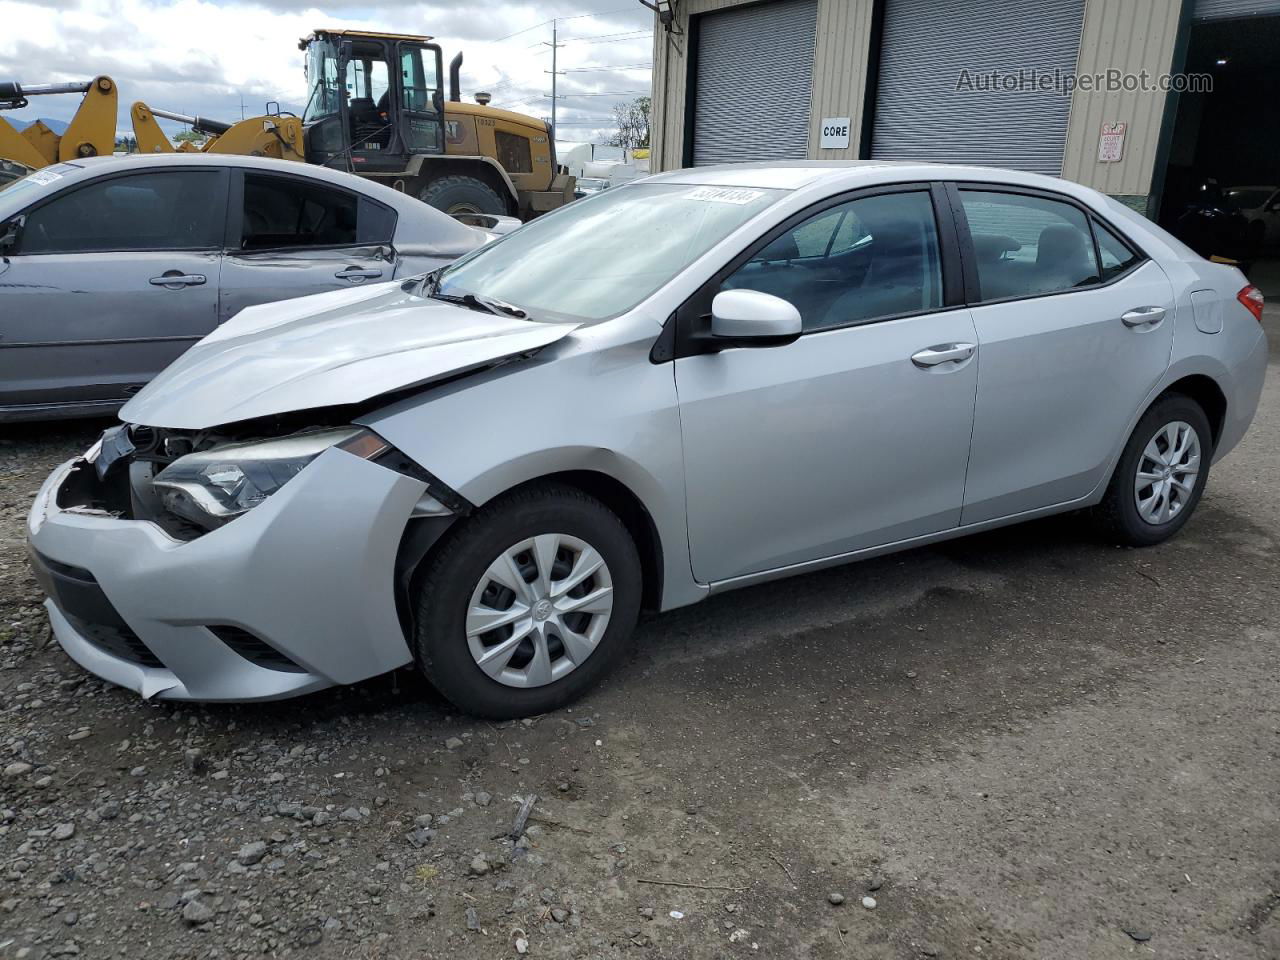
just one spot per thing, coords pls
(1167, 471)
(539, 611)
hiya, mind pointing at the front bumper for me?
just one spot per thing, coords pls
(294, 596)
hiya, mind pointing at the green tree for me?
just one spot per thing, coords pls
(632, 120)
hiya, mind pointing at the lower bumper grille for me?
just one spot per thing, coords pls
(118, 641)
(82, 601)
(256, 651)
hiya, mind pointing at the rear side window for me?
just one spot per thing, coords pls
(283, 212)
(170, 210)
(1028, 246)
(1117, 257)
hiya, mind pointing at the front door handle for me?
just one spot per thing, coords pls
(943, 353)
(174, 280)
(357, 274)
(1143, 316)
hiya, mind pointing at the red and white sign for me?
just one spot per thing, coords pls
(1111, 143)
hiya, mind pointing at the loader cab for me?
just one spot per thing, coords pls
(375, 100)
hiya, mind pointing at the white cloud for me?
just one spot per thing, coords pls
(198, 56)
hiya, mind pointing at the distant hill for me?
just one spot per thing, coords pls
(57, 126)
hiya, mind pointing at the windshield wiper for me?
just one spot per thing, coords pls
(489, 304)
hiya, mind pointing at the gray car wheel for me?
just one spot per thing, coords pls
(528, 603)
(1161, 473)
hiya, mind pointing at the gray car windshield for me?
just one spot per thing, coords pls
(602, 255)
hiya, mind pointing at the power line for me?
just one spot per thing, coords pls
(617, 68)
(576, 16)
(612, 37)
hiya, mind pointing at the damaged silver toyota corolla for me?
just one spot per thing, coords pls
(688, 384)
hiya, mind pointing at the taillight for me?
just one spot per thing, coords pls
(1253, 301)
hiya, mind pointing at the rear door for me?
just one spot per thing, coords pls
(291, 236)
(1073, 336)
(111, 281)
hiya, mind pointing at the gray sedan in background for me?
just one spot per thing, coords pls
(111, 267)
(684, 385)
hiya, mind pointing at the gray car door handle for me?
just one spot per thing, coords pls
(1143, 316)
(179, 280)
(358, 275)
(943, 353)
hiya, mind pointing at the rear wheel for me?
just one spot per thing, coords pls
(528, 603)
(462, 194)
(1161, 474)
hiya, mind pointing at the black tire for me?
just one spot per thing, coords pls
(454, 571)
(1118, 514)
(462, 194)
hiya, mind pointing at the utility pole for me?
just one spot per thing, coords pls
(242, 106)
(554, 73)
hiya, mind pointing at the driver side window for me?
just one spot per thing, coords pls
(868, 259)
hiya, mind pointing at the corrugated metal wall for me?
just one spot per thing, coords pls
(1223, 9)
(946, 90)
(839, 69)
(754, 78)
(840, 63)
(1131, 36)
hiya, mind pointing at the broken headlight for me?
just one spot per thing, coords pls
(211, 487)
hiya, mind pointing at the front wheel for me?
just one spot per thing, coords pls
(528, 603)
(462, 194)
(1161, 474)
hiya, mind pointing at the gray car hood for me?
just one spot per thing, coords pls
(326, 350)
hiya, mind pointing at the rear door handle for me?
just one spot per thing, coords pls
(358, 275)
(943, 353)
(1143, 316)
(178, 280)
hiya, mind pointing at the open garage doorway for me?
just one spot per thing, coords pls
(1222, 184)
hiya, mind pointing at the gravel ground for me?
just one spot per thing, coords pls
(1024, 744)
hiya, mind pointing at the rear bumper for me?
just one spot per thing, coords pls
(294, 596)
(1247, 379)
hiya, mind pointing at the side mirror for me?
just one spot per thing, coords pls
(10, 233)
(749, 318)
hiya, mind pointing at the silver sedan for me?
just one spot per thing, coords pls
(111, 267)
(685, 385)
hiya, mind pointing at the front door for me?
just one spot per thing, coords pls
(853, 436)
(298, 236)
(1070, 348)
(111, 281)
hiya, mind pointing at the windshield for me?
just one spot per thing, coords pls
(35, 181)
(600, 256)
(322, 76)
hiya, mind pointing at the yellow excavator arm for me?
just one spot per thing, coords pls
(91, 133)
(265, 136)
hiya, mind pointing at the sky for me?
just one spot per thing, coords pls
(204, 56)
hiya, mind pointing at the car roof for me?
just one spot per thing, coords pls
(837, 175)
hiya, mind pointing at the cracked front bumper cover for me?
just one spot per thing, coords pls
(309, 573)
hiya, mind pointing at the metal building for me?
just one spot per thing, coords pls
(1070, 88)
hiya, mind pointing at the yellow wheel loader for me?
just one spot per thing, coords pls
(376, 107)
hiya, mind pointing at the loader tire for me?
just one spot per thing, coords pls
(462, 194)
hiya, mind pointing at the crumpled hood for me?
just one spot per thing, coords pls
(326, 350)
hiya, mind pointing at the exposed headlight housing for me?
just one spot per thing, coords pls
(211, 487)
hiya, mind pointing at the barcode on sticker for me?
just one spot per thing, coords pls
(736, 195)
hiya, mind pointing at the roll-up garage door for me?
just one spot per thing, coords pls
(1224, 9)
(753, 76)
(936, 57)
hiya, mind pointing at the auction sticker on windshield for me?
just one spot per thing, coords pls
(724, 195)
(44, 177)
